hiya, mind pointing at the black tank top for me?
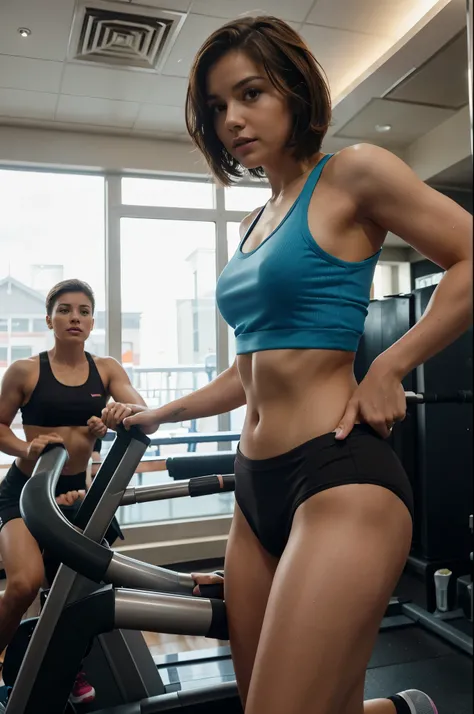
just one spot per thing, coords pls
(53, 404)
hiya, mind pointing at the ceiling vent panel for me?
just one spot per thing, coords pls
(128, 36)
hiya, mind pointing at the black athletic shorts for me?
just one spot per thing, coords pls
(12, 486)
(269, 491)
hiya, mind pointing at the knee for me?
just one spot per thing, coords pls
(22, 590)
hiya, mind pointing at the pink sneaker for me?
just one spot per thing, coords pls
(82, 692)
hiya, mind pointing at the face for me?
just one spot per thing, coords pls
(72, 318)
(251, 117)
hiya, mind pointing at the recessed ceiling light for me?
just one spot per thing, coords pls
(383, 128)
(24, 31)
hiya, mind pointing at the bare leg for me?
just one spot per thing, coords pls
(346, 551)
(249, 572)
(23, 565)
(379, 706)
(355, 703)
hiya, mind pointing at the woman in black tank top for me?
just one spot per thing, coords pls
(62, 395)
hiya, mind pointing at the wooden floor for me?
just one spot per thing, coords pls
(168, 644)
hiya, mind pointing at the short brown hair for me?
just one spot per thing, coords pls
(292, 69)
(68, 286)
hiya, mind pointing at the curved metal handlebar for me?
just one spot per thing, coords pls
(134, 432)
(49, 526)
(47, 523)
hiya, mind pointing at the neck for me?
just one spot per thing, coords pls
(72, 355)
(286, 171)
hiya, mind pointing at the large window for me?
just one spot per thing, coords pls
(246, 198)
(20, 324)
(233, 238)
(46, 217)
(172, 194)
(168, 308)
(20, 353)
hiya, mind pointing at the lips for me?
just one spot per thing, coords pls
(244, 149)
(240, 143)
(74, 330)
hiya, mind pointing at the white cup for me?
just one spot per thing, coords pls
(441, 578)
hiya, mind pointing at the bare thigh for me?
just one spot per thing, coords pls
(22, 562)
(346, 551)
(249, 572)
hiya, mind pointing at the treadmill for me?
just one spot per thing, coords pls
(105, 597)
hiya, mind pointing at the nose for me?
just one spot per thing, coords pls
(234, 119)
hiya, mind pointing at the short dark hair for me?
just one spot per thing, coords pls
(68, 286)
(292, 69)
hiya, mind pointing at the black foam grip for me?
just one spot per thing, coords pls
(212, 592)
(133, 433)
(50, 447)
(195, 465)
(205, 485)
(229, 482)
(219, 629)
(462, 396)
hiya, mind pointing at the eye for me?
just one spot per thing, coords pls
(217, 108)
(252, 93)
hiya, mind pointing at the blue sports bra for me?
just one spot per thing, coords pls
(289, 293)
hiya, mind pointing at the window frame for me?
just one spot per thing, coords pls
(116, 210)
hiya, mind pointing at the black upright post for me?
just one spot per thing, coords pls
(444, 455)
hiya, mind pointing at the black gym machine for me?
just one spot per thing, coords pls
(434, 442)
(107, 598)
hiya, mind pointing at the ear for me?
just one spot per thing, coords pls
(49, 322)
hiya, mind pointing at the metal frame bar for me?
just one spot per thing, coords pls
(113, 283)
(440, 627)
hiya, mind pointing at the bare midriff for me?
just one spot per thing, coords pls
(292, 396)
(78, 441)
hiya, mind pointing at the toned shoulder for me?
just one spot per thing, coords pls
(362, 161)
(104, 362)
(24, 367)
(21, 371)
(248, 220)
(109, 365)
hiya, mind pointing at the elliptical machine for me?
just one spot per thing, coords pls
(83, 605)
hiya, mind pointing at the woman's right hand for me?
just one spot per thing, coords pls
(36, 447)
(206, 579)
(147, 420)
(70, 498)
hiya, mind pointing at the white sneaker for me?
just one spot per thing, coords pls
(418, 702)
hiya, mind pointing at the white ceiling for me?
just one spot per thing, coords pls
(41, 86)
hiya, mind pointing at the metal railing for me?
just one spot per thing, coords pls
(161, 385)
